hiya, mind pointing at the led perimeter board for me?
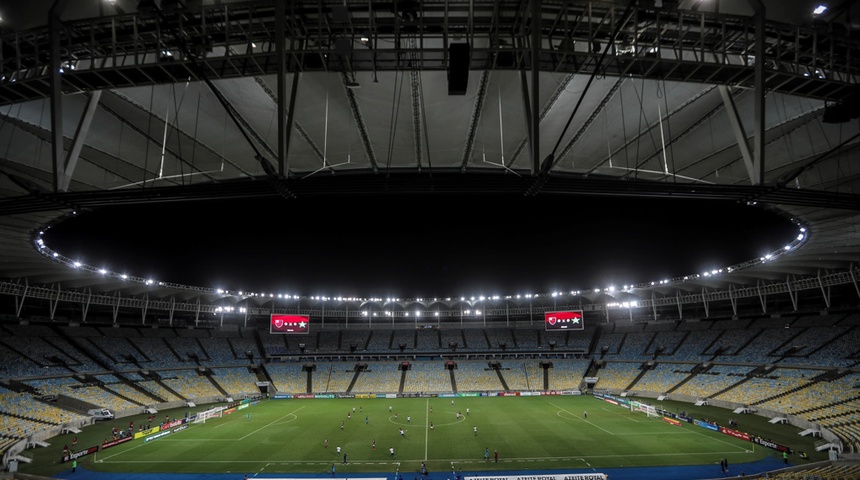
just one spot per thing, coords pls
(564, 320)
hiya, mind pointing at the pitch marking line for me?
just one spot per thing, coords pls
(577, 416)
(462, 461)
(273, 422)
(620, 415)
(293, 413)
(426, 428)
(720, 440)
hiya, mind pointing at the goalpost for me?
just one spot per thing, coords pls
(216, 412)
(648, 410)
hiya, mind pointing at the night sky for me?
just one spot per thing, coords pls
(420, 246)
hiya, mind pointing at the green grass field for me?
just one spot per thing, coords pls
(530, 433)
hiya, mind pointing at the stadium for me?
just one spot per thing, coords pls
(748, 368)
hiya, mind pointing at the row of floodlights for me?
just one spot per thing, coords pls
(40, 245)
(364, 313)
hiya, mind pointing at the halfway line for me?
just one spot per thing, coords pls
(426, 427)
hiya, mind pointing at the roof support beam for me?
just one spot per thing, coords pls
(825, 292)
(475, 119)
(56, 97)
(758, 90)
(115, 307)
(535, 70)
(19, 301)
(527, 114)
(653, 306)
(590, 120)
(792, 295)
(740, 133)
(280, 55)
(643, 132)
(559, 90)
(288, 128)
(85, 306)
(52, 304)
(171, 310)
(733, 300)
(144, 308)
(762, 296)
(854, 280)
(78, 141)
(299, 128)
(417, 109)
(360, 124)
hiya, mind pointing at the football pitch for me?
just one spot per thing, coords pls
(461, 435)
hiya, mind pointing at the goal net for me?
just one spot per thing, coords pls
(648, 410)
(211, 413)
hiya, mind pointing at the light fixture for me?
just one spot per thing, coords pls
(819, 9)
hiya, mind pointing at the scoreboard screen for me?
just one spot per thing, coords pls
(290, 324)
(564, 320)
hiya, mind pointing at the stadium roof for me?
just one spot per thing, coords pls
(125, 102)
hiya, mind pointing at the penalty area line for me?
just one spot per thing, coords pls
(272, 423)
(577, 416)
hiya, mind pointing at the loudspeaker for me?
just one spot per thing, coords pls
(458, 68)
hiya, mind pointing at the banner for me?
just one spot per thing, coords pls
(80, 453)
(113, 443)
(169, 425)
(149, 431)
(735, 433)
(704, 424)
(769, 444)
(559, 476)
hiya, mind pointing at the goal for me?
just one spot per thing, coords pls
(216, 412)
(648, 410)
